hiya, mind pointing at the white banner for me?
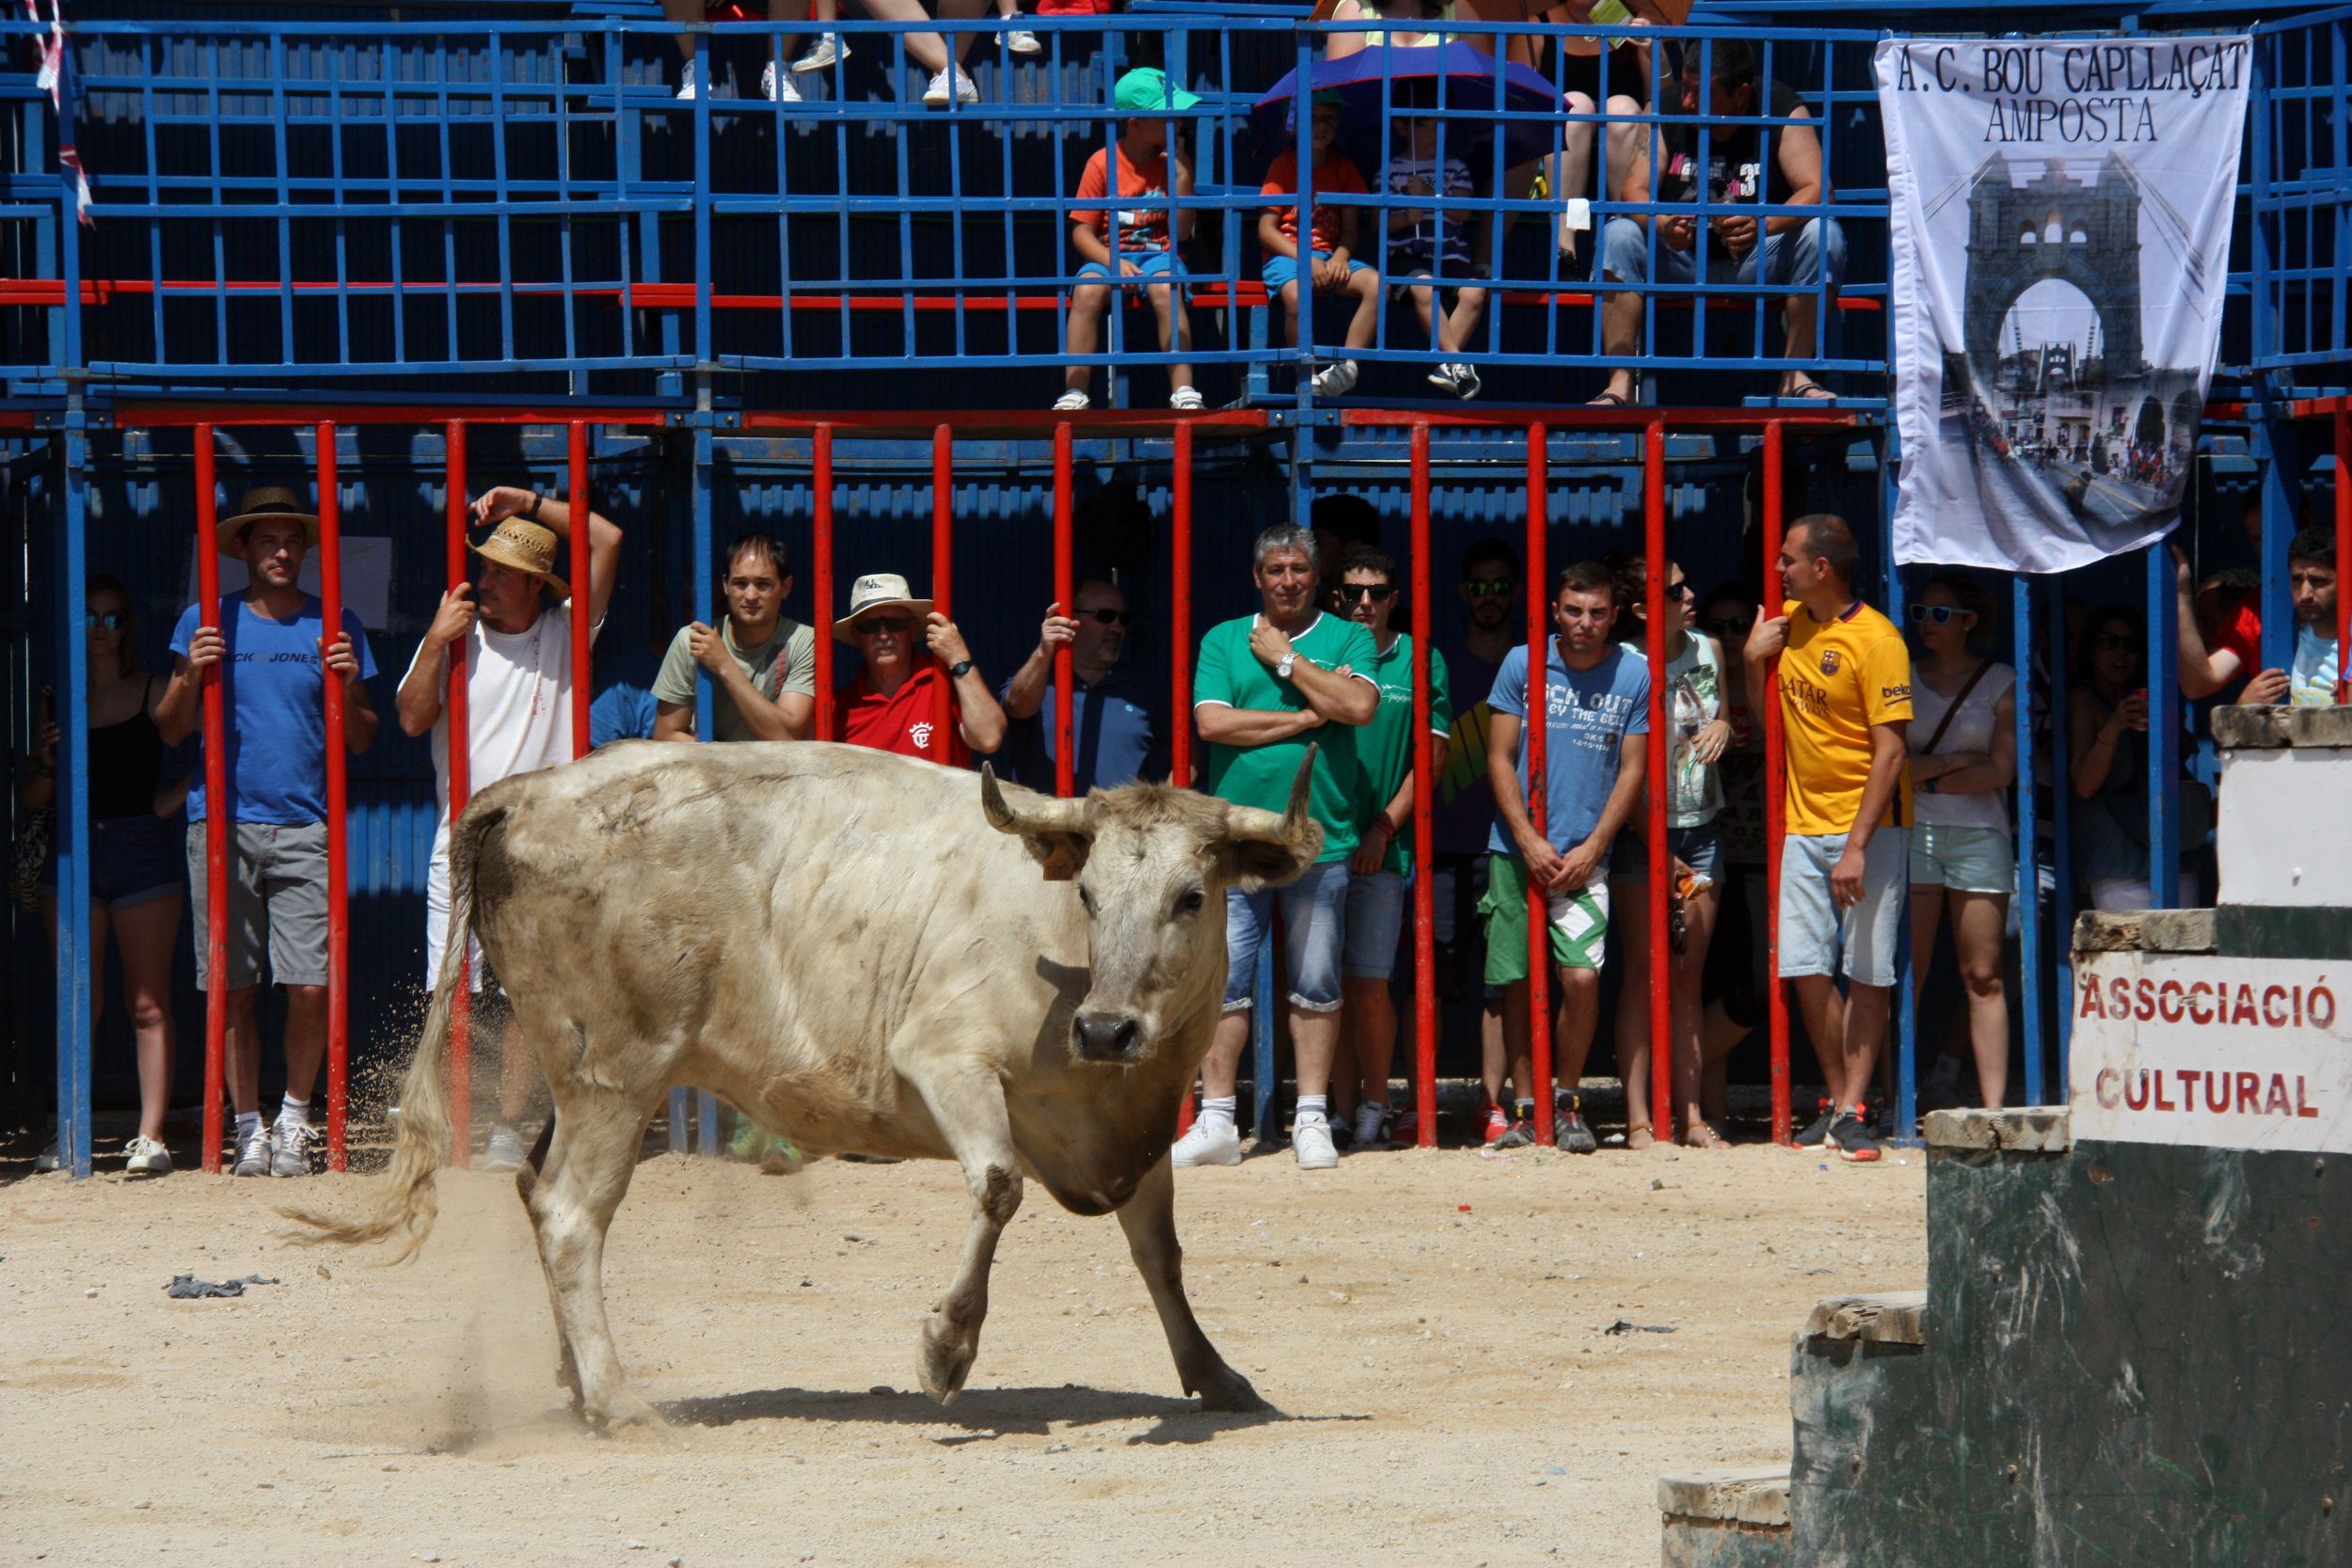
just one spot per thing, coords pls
(2060, 219)
(2222, 1053)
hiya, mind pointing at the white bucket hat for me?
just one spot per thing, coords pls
(877, 591)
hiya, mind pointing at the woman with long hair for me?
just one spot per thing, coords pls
(2109, 761)
(137, 880)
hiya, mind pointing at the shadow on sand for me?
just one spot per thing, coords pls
(983, 1413)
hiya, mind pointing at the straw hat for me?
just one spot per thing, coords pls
(879, 591)
(526, 546)
(270, 503)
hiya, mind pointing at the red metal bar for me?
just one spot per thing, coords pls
(155, 414)
(943, 572)
(577, 502)
(1584, 416)
(337, 810)
(1180, 646)
(1776, 802)
(1532, 742)
(821, 481)
(1661, 1096)
(1425, 797)
(215, 803)
(2344, 551)
(988, 424)
(460, 747)
(1066, 602)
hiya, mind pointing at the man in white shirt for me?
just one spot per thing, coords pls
(516, 623)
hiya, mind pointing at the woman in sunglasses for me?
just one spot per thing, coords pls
(138, 884)
(1964, 755)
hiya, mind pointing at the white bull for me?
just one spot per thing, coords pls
(834, 941)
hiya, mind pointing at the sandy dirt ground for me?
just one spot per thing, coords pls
(1431, 1325)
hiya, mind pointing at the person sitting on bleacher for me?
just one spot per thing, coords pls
(1147, 236)
(1781, 249)
(1428, 243)
(1331, 268)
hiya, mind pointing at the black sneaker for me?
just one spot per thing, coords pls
(1568, 1132)
(1817, 1132)
(1853, 1140)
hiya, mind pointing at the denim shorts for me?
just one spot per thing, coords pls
(1152, 264)
(1966, 860)
(1376, 918)
(1701, 849)
(1282, 271)
(276, 895)
(1313, 913)
(1813, 929)
(133, 859)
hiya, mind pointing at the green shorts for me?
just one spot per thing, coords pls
(1579, 923)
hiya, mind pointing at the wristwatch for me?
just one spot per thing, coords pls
(1288, 662)
(959, 669)
(530, 512)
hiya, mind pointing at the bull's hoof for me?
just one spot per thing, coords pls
(623, 1410)
(949, 1353)
(1227, 1391)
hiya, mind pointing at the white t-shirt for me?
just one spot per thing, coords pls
(1971, 730)
(2313, 681)
(1695, 699)
(518, 708)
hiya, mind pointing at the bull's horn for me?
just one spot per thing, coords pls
(1040, 814)
(1255, 824)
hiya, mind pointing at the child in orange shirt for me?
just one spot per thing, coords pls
(1146, 237)
(1331, 267)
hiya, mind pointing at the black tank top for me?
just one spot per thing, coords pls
(125, 762)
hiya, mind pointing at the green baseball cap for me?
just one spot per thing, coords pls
(1147, 90)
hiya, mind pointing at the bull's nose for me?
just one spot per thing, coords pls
(1106, 1036)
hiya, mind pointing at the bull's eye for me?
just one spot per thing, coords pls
(1189, 903)
(1085, 898)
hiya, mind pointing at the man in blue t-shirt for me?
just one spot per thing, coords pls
(1596, 708)
(1117, 739)
(267, 643)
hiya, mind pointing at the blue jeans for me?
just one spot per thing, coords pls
(1794, 258)
(1376, 918)
(1312, 922)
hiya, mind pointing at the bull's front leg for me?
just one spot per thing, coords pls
(969, 1108)
(1148, 1218)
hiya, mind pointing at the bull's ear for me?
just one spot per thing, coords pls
(1056, 832)
(1263, 850)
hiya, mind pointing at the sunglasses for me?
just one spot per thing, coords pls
(881, 624)
(1356, 593)
(1490, 588)
(1107, 616)
(113, 620)
(1939, 613)
(1731, 626)
(1680, 588)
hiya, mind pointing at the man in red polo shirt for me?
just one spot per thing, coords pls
(893, 704)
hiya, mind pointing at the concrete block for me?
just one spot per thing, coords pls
(2145, 932)
(2264, 728)
(2026, 1129)
(1889, 1318)
(1735, 1518)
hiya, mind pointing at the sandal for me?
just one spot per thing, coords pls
(1640, 1136)
(1702, 1135)
(1806, 390)
(1609, 400)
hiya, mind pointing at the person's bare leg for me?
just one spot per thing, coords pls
(1371, 1031)
(1425, 300)
(1492, 1067)
(684, 13)
(1824, 1013)
(1620, 338)
(1220, 1069)
(1980, 924)
(241, 1050)
(1175, 331)
(1572, 1041)
(1866, 1033)
(1461, 323)
(1365, 324)
(1290, 313)
(1629, 911)
(1314, 1039)
(927, 49)
(1088, 303)
(147, 935)
(1570, 170)
(306, 1039)
(1689, 1054)
(1517, 1042)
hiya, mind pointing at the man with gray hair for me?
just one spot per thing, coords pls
(1268, 687)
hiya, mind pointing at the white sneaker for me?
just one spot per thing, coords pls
(146, 1157)
(828, 48)
(1070, 402)
(1312, 1142)
(253, 1153)
(962, 89)
(1188, 399)
(1456, 378)
(691, 80)
(1209, 1142)
(776, 88)
(290, 1148)
(1371, 1125)
(1336, 381)
(1020, 41)
(505, 1151)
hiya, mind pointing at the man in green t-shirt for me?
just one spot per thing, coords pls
(762, 662)
(1268, 685)
(1378, 870)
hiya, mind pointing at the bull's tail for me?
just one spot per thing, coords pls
(406, 1203)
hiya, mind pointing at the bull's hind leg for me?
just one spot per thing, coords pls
(527, 1178)
(1149, 1217)
(970, 1108)
(582, 1182)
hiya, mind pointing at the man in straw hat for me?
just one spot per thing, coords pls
(892, 704)
(274, 656)
(514, 620)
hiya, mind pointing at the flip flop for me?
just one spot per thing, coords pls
(1608, 400)
(1811, 391)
